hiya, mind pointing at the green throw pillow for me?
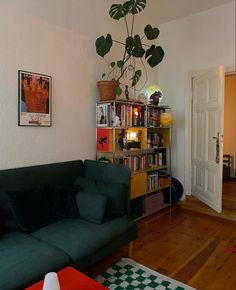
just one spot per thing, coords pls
(116, 194)
(62, 200)
(31, 209)
(91, 206)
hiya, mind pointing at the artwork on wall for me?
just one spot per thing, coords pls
(35, 99)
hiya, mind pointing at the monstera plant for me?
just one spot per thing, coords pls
(134, 47)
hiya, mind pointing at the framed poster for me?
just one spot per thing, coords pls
(34, 99)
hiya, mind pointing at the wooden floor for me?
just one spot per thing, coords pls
(228, 203)
(229, 194)
(191, 247)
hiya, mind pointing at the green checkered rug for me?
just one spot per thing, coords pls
(129, 275)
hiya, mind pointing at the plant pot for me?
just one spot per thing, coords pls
(107, 90)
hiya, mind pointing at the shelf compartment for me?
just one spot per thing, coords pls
(165, 205)
(153, 202)
(138, 184)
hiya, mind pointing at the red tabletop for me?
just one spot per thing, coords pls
(71, 279)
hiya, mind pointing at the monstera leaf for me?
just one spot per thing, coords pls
(120, 63)
(129, 45)
(103, 45)
(154, 55)
(151, 33)
(134, 46)
(136, 77)
(138, 50)
(136, 6)
(118, 11)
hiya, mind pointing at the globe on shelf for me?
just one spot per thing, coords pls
(166, 119)
(154, 94)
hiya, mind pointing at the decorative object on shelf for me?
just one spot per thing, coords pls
(35, 99)
(117, 122)
(166, 118)
(122, 140)
(154, 98)
(126, 92)
(133, 140)
(134, 48)
(142, 98)
(104, 159)
(155, 94)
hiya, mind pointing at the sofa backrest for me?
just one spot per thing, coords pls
(107, 172)
(63, 173)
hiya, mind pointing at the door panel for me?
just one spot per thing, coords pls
(207, 122)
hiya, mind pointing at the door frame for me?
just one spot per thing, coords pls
(188, 122)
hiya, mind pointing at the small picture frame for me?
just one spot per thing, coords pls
(104, 115)
(34, 99)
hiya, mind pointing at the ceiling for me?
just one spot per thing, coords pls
(167, 10)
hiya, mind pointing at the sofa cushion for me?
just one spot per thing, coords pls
(91, 206)
(116, 193)
(24, 260)
(62, 200)
(31, 209)
(79, 238)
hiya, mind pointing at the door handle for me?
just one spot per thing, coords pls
(217, 158)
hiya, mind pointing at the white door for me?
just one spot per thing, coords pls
(207, 137)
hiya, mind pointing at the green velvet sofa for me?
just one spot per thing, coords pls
(25, 257)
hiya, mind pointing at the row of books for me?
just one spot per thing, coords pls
(156, 180)
(153, 117)
(141, 162)
(129, 116)
(125, 115)
(156, 159)
(135, 163)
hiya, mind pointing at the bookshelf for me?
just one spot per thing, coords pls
(130, 133)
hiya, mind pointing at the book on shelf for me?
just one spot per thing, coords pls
(103, 140)
(104, 115)
(135, 163)
(129, 115)
(156, 159)
(164, 179)
(153, 117)
(152, 181)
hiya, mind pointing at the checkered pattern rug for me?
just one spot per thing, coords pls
(129, 275)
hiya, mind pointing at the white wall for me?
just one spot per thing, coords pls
(56, 38)
(200, 41)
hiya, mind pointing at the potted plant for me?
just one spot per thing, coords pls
(137, 49)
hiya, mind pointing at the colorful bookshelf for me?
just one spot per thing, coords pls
(130, 133)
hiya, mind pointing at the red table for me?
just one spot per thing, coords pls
(71, 279)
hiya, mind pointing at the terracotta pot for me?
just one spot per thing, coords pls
(107, 90)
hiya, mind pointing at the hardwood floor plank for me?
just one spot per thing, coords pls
(191, 266)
